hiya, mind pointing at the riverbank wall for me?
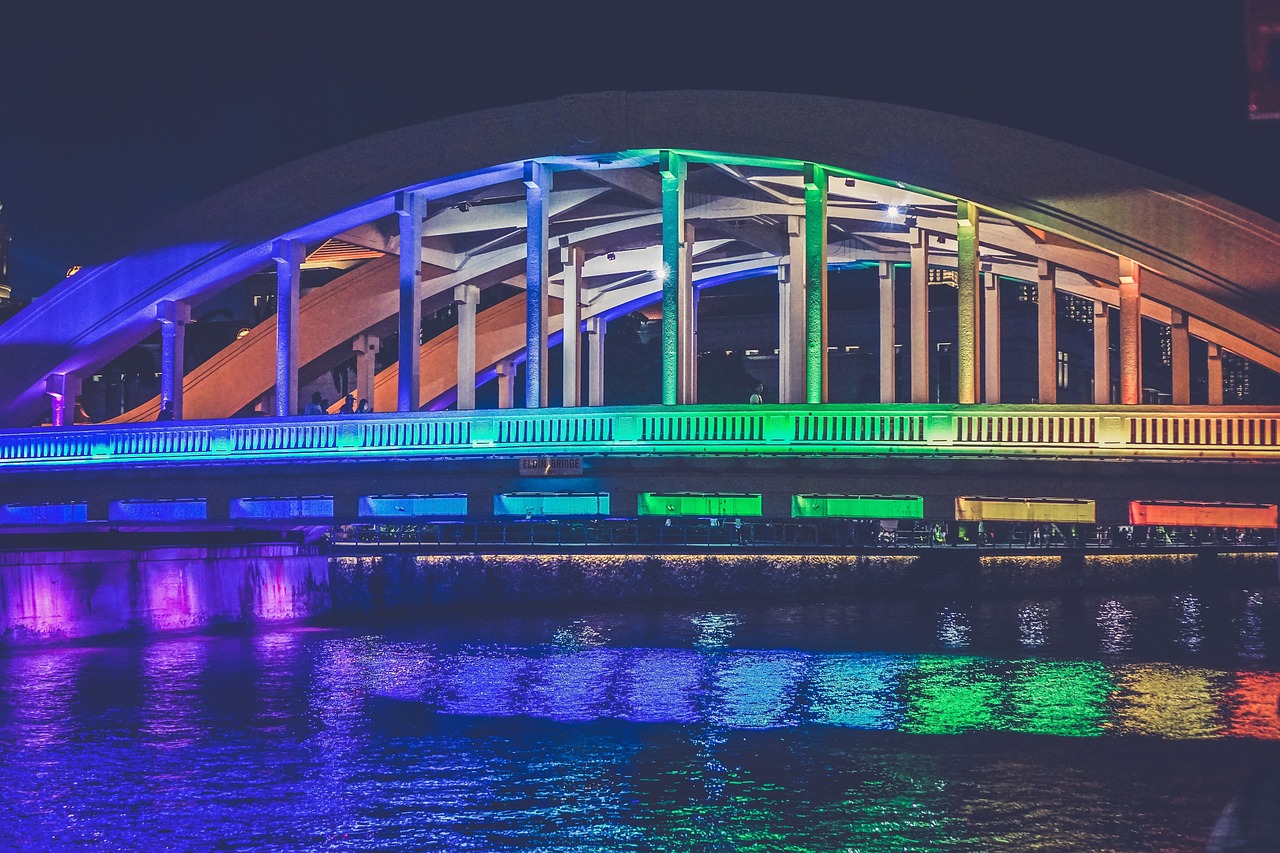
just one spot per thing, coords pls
(49, 596)
(394, 582)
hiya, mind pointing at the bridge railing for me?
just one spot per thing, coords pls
(823, 430)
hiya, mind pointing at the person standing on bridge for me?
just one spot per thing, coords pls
(166, 411)
(348, 405)
(317, 405)
(757, 394)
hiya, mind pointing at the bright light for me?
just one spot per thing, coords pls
(894, 213)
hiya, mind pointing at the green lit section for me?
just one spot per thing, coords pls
(551, 504)
(700, 505)
(673, 170)
(1065, 698)
(872, 507)
(946, 695)
(815, 283)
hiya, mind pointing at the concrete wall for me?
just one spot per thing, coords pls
(405, 582)
(51, 596)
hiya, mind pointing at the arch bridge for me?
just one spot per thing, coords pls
(543, 223)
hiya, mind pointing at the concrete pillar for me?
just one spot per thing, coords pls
(506, 371)
(595, 360)
(63, 390)
(919, 317)
(687, 391)
(366, 350)
(412, 210)
(173, 317)
(791, 317)
(537, 188)
(572, 257)
(1180, 356)
(1101, 353)
(888, 334)
(288, 257)
(1047, 331)
(991, 337)
(967, 300)
(466, 297)
(673, 170)
(815, 283)
(1215, 375)
(1130, 333)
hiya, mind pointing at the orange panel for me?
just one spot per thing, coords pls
(1202, 515)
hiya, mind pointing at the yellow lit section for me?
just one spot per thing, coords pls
(1166, 701)
(1064, 510)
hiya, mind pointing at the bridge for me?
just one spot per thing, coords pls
(477, 247)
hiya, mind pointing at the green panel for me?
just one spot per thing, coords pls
(857, 506)
(699, 504)
(551, 504)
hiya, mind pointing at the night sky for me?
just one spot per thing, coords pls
(116, 114)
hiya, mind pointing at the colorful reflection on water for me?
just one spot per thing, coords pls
(1117, 723)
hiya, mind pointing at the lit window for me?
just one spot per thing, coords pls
(1063, 370)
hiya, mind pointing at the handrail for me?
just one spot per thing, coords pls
(771, 430)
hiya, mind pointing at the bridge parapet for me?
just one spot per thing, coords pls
(825, 430)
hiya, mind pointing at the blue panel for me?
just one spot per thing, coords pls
(308, 507)
(412, 506)
(551, 504)
(43, 513)
(173, 510)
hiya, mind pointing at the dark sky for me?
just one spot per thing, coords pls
(117, 114)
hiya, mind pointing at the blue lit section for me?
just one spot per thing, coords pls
(69, 513)
(413, 506)
(858, 690)
(551, 504)
(662, 686)
(303, 507)
(756, 689)
(144, 510)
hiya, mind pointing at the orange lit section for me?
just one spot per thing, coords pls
(1253, 702)
(1183, 514)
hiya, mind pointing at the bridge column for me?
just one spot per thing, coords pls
(63, 390)
(888, 334)
(991, 337)
(1101, 353)
(537, 188)
(688, 325)
(1180, 356)
(412, 210)
(791, 317)
(288, 257)
(1215, 375)
(595, 360)
(572, 257)
(815, 282)
(366, 350)
(173, 317)
(919, 317)
(1130, 333)
(467, 298)
(967, 299)
(1047, 331)
(673, 169)
(506, 370)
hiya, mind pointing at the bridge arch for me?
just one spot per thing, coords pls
(1206, 266)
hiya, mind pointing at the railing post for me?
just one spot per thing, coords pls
(920, 317)
(1047, 332)
(288, 257)
(412, 210)
(1130, 333)
(537, 184)
(966, 299)
(815, 286)
(672, 168)
(173, 317)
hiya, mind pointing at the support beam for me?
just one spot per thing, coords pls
(991, 337)
(967, 300)
(288, 257)
(1215, 375)
(506, 371)
(173, 317)
(1180, 356)
(1130, 333)
(366, 350)
(815, 283)
(1047, 331)
(919, 317)
(687, 392)
(791, 316)
(412, 210)
(673, 170)
(888, 334)
(466, 297)
(572, 257)
(537, 187)
(63, 390)
(1101, 353)
(596, 327)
